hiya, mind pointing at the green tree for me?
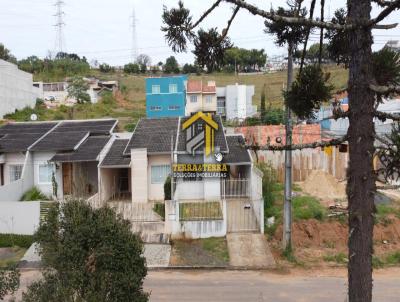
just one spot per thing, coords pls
(171, 65)
(131, 68)
(106, 68)
(88, 255)
(31, 64)
(9, 281)
(6, 55)
(77, 89)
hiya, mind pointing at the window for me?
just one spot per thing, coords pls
(173, 88)
(45, 173)
(193, 98)
(160, 173)
(15, 172)
(155, 89)
(173, 108)
(155, 108)
(209, 99)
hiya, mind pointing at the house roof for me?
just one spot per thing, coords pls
(115, 156)
(220, 140)
(18, 137)
(68, 135)
(237, 152)
(154, 134)
(89, 150)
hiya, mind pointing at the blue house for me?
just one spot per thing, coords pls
(166, 96)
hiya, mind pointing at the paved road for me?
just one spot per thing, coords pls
(256, 286)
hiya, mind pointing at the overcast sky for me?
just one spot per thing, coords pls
(100, 29)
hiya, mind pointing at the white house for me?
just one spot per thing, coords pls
(235, 102)
(16, 90)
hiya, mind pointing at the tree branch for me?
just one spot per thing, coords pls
(384, 116)
(336, 116)
(388, 187)
(226, 29)
(303, 21)
(307, 36)
(382, 3)
(386, 12)
(384, 89)
(206, 13)
(333, 142)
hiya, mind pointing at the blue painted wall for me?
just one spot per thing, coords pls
(159, 105)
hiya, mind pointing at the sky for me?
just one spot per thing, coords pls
(101, 29)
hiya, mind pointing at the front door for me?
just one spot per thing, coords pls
(67, 178)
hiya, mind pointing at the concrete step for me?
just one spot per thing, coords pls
(155, 238)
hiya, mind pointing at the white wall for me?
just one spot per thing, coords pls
(156, 191)
(107, 187)
(10, 160)
(19, 217)
(139, 178)
(16, 88)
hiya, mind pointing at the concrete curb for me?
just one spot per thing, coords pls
(214, 268)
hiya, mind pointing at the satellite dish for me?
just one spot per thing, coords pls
(34, 117)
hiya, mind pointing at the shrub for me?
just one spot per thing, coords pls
(306, 207)
(130, 127)
(393, 258)
(33, 194)
(10, 240)
(167, 188)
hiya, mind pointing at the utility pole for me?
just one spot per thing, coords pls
(59, 42)
(287, 207)
(134, 49)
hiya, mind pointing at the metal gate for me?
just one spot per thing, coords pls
(243, 215)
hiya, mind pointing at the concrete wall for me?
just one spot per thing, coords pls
(139, 166)
(107, 188)
(19, 217)
(13, 191)
(156, 191)
(201, 104)
(16, 88)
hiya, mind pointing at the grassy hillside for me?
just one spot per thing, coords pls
(130, 103)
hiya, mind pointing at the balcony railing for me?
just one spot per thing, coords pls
(235, 188)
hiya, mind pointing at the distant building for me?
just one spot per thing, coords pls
(165, 96)
(201, 97)
(57, 92)
(16, 90)
(235, 102)
(393, 44)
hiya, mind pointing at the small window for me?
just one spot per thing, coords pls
(15, 172)
(155, 108)
(173, 108)
(193, 98)
(208, 99)
(173, 88)
(160, 173)
(45, 173)
(155, 89)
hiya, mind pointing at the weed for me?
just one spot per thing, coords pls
(306, 207)
(338, 258)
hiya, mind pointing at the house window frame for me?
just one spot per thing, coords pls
(162, 176)
(155, 108)
(209, 99)
(193, 98)
(13, 173)
(155, 89)
(173, 88)
(174, 108)
(47, 181)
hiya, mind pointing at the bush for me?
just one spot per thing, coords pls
(10, 240)
(34, 194)
(130, 127)
(306, 207)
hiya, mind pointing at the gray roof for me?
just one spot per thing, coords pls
(237, 152)
(69, 134)
(17, 137)
(154, 135)
(115, 156)
(89, 150)
(219, 136)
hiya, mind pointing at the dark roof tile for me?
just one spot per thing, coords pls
(237, 152)
(115, 156)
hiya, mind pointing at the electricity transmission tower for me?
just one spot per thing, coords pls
(134, 49)
(59, 42)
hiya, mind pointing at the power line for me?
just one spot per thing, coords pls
(59, 42)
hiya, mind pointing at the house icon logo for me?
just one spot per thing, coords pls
(200, 131)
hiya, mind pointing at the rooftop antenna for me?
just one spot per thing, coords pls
(59, 42)
(134, 49)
